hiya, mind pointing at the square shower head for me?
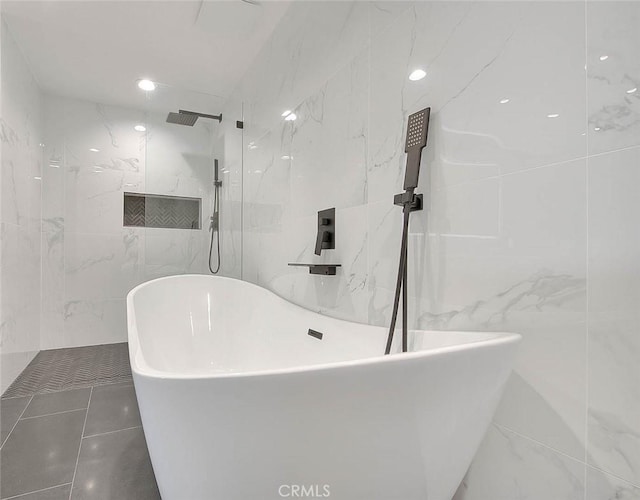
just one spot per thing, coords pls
(182, 119)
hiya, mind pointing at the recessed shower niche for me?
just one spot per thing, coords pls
(162, 211)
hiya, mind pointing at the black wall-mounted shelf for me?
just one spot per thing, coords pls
(324, 269)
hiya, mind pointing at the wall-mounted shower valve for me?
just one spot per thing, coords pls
(326, 238)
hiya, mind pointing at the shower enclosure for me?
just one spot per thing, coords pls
(189, 212)
(127, 197)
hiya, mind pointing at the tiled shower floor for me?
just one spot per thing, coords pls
(71, 429)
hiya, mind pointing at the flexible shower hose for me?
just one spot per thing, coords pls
(215, 229)
(401, 285)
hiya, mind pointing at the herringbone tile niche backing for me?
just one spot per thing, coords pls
(152, 210)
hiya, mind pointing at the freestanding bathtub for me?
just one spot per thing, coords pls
(239, 401)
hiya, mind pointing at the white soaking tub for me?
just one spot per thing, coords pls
(238, 401)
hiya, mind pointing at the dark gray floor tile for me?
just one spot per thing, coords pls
(10, 411)
(112, 407)
(41, 452)
(115, 466)
(57, 493)
(45, 404)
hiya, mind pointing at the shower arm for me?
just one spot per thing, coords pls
(201, 115)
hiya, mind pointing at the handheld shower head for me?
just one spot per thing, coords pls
(417, 129)
(216, 173)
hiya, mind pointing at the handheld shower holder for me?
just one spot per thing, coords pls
(413, 201)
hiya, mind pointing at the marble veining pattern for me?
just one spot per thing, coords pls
(506, 240)
(20, 212)
(94, 155)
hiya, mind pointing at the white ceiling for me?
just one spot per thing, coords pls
(97, 50)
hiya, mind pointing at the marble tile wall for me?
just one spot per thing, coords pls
(20, 198)
(531, 223)
(90, 261)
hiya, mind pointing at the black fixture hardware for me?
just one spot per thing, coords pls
(239, 124)
(325, 269)
(315, 334)
(189, 118)
(200, 115)
(326, 238)
(417, 129)
(214, 226)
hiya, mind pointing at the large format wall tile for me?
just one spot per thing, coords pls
(103, 265)
(312, 42)
(602, 486)
(613, 69)
(20, 285)
(94, 322)
(90, 261)
(20, 212)
(502, 242)
(472, 133)
(329, 143)
(614, 313)
(509, 254)
(509, 467)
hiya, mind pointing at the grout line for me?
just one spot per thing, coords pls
(586, 331)
(35, 491)
(75, 469)
(445, 186)
(586, 464)
(54, 413)
(540, 443)
(608, 152)
(14, 425)
(112, 432)
(89, 385)
(50, 392)
(632, 484)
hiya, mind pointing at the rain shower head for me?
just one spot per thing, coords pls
(189, 118)
(182, 119)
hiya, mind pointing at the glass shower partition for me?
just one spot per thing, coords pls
(180, 196)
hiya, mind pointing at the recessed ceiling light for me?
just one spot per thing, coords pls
(140, 128)
(41, 144)
(97, 169)
(94, 150)
(290, 117)
(38, 178)
(553, 115)
(258, 171)
(286, 113)
(631, 91)
(417, 74)
(604, 58)
(147, 85)
(286, 157)
(596, 129)
(504, 101)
